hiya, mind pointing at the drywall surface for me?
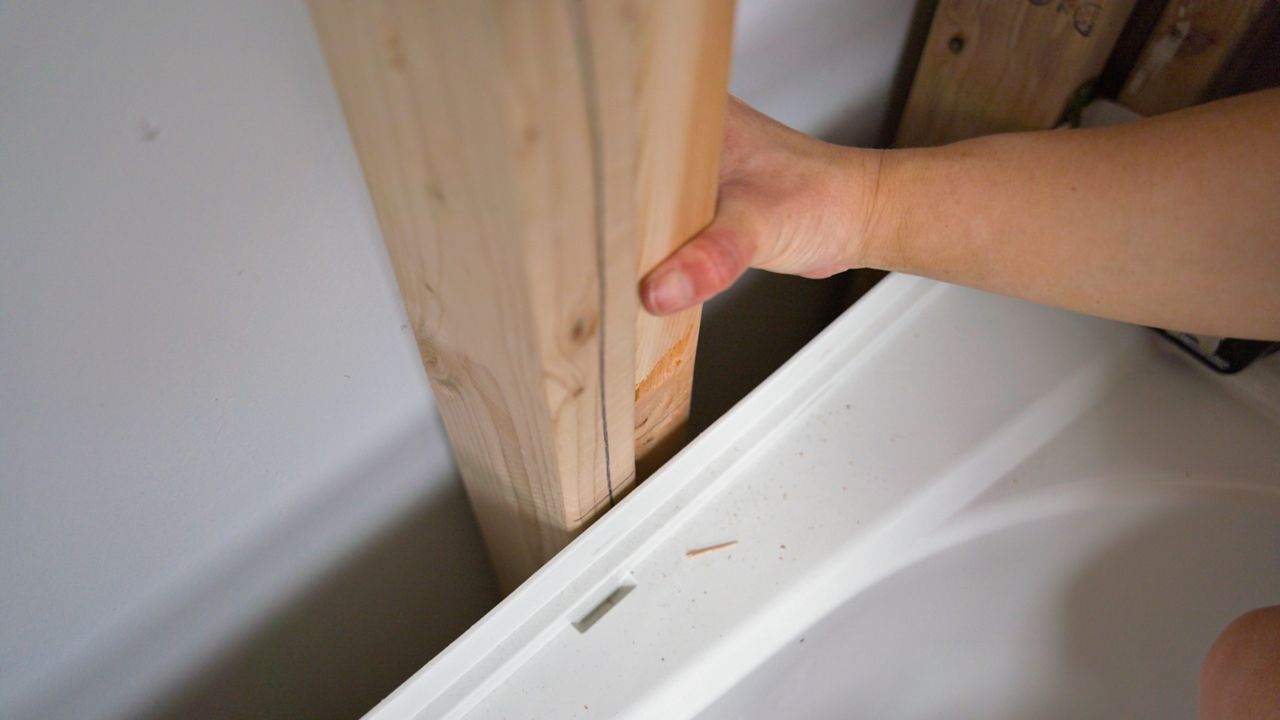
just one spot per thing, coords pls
(223, 487)
(825, 67)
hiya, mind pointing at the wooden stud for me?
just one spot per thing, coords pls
(683, 106)
(992, 66)
(1182, 57)
(505, 145)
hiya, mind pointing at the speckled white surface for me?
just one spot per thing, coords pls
(927, 421)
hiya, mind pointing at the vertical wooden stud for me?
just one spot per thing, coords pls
(999, 65)
(683, 116)
(503, 144)
(1182, 57)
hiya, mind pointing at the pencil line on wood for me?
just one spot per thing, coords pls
(587, 72)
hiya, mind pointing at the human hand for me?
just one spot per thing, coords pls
(787, 203)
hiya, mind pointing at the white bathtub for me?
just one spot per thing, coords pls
(949, 505)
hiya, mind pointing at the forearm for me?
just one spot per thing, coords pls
(1172, 222)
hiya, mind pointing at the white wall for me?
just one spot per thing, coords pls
(223, 487)
(212, 417)
(824, 67)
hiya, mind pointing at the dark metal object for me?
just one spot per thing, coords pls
(1227, 355)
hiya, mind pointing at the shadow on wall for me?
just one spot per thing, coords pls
(359, 631)
(752, 329)
(808, 62)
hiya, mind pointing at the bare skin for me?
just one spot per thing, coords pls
(1240, 675)
(1172, 222)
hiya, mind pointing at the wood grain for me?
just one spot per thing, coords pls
(667, 62)
(517, 156)
(1184, 54)
(993, 66)
(682, 118)
(682, 115)
(474, 125)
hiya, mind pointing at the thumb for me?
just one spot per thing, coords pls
(704, 266)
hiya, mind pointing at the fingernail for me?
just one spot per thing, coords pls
(669, 291)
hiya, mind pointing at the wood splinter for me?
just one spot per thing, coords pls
(710, 549)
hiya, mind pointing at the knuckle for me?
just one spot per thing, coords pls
(720, 258)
